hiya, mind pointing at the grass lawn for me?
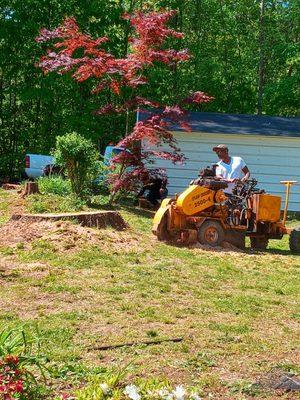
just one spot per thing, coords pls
(238, 313)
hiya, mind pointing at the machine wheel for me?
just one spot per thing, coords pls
(259, 243)
(295, 240)
(211, 233)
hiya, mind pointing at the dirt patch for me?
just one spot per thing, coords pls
(64, 236)
(281, 381)
(226, 247)
(11, 186)
(13, 233)
(99, 219)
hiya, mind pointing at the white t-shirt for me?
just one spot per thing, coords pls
(231, 171)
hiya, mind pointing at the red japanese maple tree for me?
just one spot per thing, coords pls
(147, 47)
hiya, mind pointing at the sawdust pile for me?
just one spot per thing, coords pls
(64, 236)
(225, 248)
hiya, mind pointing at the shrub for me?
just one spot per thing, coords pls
(80, 158)
(54, 184)
(16, 364)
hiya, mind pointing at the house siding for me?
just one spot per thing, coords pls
(270, 159)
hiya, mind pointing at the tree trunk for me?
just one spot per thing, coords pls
(1, 99)
(13, 134)
(261, 64)
(127, 26)
(30, 188)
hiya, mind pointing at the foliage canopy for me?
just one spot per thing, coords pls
(223, 38)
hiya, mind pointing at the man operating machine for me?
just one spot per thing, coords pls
(224, 205)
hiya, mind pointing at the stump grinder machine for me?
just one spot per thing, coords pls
(204, 213)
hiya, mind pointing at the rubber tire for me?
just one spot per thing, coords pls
(294, 240)
(214, 226)
(259, 243)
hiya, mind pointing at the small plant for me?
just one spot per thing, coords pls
(102, 386)
(152, 333)
(245, 388)
(54, 184)
(16, 362)
(148, 390)
(110, 385)
(12, 379)
(80, 158)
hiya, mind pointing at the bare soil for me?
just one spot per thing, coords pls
(64, 235)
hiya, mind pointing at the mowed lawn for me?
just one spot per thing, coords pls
(79, 288)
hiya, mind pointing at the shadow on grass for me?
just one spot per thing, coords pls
(122, 205)
(282, 252)
(141, 212)
(105, 206)
(220, 249)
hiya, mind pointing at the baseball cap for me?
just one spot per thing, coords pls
(220, 147)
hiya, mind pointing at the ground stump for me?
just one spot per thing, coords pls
(30, 188)
(99, 219)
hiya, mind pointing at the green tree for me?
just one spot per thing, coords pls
(80, 158)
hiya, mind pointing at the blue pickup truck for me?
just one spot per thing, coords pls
(35, 164)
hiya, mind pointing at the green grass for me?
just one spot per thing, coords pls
(55, 184)
(237, 312)
(4, 207)
(53, 203)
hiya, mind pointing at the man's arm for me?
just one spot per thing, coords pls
(246, 172)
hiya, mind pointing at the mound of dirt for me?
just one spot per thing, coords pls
(11, 186)
(99, 219)
(64, 236)
(15, 232)
(226, 247)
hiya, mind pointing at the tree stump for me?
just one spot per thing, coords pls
(99, 219)
(10, 186)
(144, 203)
(30, 188)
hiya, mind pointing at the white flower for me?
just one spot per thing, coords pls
(179, 392)
(132, 392)
(165, 394)
(194, 396)
(105, 388)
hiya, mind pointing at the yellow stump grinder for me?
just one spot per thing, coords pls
(204, 213)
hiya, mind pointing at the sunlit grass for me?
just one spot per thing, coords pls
(238, 313)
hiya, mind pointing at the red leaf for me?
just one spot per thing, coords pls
(198, 98)
(147, 46)
(115, 87)
(108, 109)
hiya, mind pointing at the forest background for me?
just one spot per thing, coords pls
(244, 53)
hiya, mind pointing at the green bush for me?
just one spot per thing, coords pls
(54, 184)
(80, 158)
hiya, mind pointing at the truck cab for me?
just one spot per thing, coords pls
(35, 164)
